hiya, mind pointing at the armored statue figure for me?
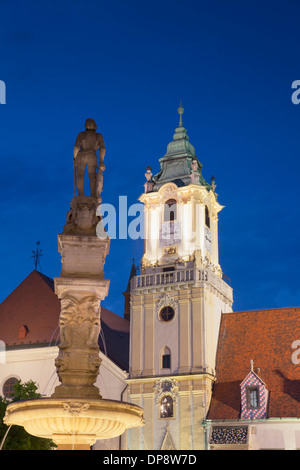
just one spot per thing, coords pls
(85, 155)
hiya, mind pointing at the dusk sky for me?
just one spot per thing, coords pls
(127, 64)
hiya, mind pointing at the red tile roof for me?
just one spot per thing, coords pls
(34, 306)
(266, 337)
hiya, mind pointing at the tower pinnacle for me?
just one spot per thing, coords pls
(180, 112)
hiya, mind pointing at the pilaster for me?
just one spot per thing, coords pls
(185, 332)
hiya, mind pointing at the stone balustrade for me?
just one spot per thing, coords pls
(160, 280)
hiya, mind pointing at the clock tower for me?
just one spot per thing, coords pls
(176, 302)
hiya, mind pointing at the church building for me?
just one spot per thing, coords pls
(207, 377)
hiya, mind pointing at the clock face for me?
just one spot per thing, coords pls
(170, 233)
(207, 239)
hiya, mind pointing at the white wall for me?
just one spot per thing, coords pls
(37, 364)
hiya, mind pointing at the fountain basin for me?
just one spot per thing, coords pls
(74, 422)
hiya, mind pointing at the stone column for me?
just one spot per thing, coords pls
(80, 288)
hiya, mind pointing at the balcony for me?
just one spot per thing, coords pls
(155, 282)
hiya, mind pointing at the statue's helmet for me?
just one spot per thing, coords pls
(90, 124)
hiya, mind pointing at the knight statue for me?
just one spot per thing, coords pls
(85, 155)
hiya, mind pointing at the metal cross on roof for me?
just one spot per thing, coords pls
(36, 255)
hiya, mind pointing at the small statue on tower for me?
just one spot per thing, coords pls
(149, 184)
(195, 176)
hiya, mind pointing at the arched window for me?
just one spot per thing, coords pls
(166, 314)
(170, 210)
(8, 387)
(166, 407)
(166, 359)
(207, 218)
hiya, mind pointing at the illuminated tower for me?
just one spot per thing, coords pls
(176, 302)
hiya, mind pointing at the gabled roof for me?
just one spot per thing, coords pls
(254, 375)
(267, 337)
(35, 306)
(32, 304)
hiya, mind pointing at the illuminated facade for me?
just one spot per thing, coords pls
(205, 376)
(176, 302)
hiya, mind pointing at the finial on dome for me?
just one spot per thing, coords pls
(180, 112)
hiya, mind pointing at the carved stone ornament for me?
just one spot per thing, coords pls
(82, 217)
(75, 409)
(166, 300)
(170, 192)
(85, 216)
(79, 322)
(166, 386)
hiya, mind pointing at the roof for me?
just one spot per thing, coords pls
(34, 308)
(267, 337)
(115, 331)
(176, 163)
(32, 304)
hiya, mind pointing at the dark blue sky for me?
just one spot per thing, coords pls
(128, 65)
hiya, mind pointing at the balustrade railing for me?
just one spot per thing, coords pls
(169, 277)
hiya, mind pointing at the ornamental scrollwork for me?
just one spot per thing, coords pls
(75, 408)
(166, 300)
(164, 387)
(79, 322)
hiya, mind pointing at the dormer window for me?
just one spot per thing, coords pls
(254, 397)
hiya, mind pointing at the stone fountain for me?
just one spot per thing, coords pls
(76, 415)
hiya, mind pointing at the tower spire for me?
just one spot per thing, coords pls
(180, 112)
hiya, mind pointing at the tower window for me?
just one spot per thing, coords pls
(166, 359)
(166, 407)
(207, 218)
(170, 210)
(166, 314)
